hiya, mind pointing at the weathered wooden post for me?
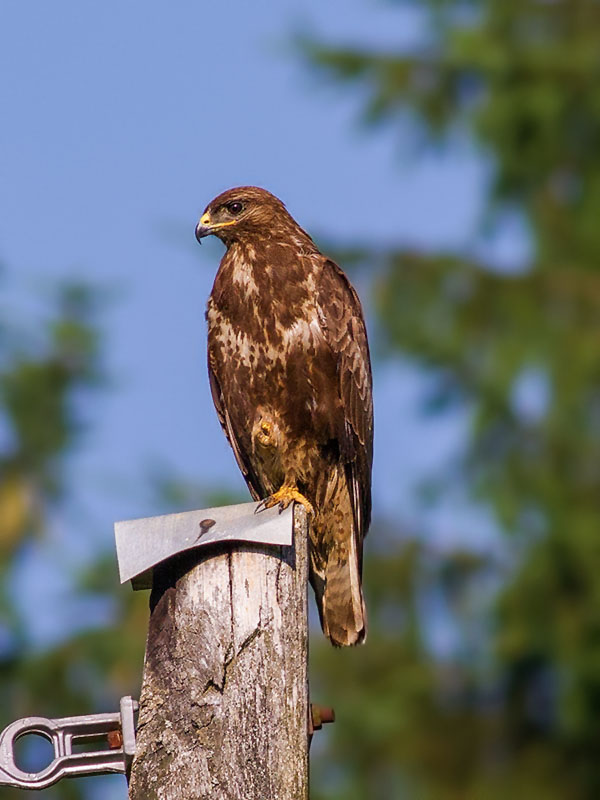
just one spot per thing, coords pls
(224, 702)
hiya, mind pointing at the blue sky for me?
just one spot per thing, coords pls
(121, 120)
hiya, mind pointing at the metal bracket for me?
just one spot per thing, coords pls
(144, 543)
(117, 730)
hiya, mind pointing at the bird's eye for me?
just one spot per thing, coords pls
(235, 208)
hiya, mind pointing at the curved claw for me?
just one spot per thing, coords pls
(261, 506)
(283, 497)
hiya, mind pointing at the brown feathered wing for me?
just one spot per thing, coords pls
(344, 511)
(250, 476)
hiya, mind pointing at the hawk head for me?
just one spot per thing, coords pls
(245, 212)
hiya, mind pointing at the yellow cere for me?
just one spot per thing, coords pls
(205, 220)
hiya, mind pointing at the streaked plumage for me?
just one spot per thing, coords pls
(290, 375)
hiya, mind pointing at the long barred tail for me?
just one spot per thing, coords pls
(344, 616)
(336, 565)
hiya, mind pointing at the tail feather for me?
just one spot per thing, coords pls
(344, 617)
(336, 568)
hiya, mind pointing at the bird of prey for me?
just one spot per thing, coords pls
(290, 376)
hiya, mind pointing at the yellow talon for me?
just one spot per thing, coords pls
(284, 496)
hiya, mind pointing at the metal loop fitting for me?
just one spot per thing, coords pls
(116, 730)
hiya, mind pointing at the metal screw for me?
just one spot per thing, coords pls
(205, 525)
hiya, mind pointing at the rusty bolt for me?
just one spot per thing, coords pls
(321, 715)
(115, 739)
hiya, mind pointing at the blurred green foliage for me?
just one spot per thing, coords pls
(42, 371)
(36, 383)
(521, 351)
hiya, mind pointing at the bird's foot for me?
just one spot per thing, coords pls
(264, 434)
(283, 497)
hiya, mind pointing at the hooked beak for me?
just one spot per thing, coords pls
(204, 227)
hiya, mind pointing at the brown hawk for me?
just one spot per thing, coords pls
(290, 375)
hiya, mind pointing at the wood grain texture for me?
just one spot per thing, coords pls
(224, 701)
